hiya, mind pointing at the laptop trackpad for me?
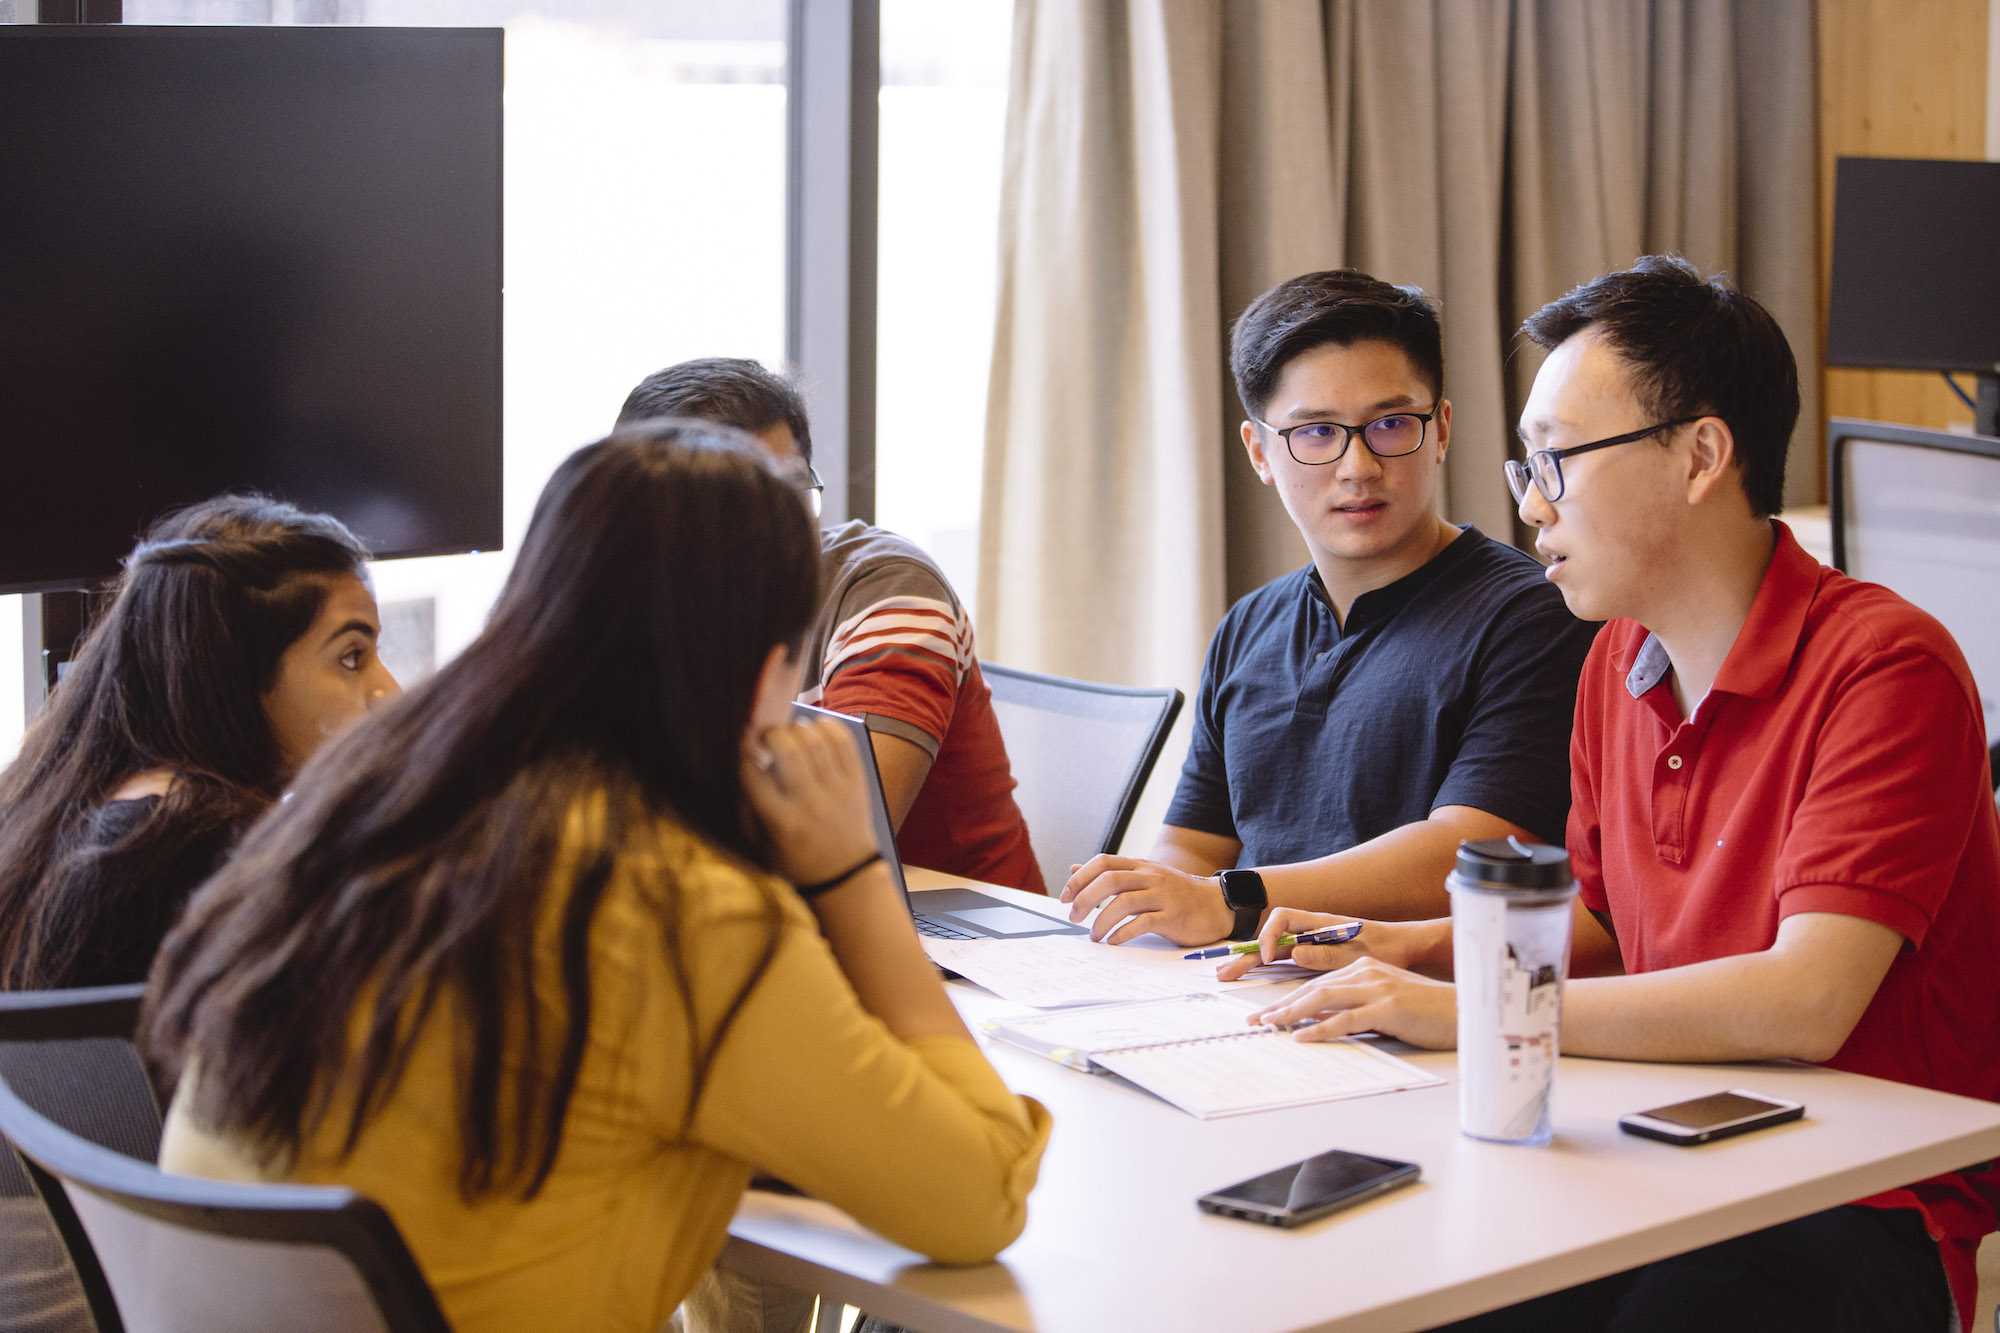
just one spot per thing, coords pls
(1004, 920)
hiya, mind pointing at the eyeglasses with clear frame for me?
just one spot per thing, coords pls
(1543, 467)
(1392, 436)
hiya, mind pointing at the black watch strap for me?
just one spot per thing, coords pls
(1247, 921)
(1243, 891)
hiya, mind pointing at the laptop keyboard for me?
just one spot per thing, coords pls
(938, 930)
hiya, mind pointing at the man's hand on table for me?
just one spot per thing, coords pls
(1134, 897)
(1369, 985)
(1369, 995)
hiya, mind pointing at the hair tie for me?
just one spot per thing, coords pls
(814, 890)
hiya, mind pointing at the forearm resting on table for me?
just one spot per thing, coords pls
(1398, 876)
(1797, 1000)
(868, 927)
(1425, 947)
(931, 1150)
(915, 1136)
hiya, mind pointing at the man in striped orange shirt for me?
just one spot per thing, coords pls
(892, 644)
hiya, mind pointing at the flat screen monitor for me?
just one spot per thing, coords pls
(1916, 271)
(247, 258)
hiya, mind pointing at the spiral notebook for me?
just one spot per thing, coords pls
(1197, 1052)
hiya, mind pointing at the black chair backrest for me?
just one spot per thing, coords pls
(1081, 753)
(68, 1054)
(180, 1254)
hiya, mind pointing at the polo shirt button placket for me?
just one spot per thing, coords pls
(1670, 806)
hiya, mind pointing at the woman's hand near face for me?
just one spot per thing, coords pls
(805, 784)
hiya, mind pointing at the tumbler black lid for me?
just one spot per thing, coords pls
(1512, 863)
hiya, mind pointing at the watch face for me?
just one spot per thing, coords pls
(1243, 889)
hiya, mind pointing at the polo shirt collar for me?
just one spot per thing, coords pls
(1649, 668)
(1762, 654)
(1380, 602)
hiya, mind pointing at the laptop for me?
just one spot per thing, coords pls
(948, 914)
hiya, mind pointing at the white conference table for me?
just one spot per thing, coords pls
(1114, 1240)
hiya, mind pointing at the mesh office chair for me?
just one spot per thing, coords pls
(180, 1255)
(172, 1254)
(1918, 511)
(1081, 753)
(69, 1055)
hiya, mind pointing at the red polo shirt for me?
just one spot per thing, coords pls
(1838, 764)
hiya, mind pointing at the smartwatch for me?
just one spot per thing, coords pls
(1243, 891)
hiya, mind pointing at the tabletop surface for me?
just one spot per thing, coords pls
(1114, 1239)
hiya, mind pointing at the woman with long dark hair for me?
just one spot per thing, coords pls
(548, 956)
(240, 636)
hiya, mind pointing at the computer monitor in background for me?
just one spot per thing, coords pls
(1916, 273)
(247, 258)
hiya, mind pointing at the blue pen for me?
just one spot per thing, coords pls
(1324, 935)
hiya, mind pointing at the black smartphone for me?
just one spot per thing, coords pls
(1294, 1195)
(1713, 1117)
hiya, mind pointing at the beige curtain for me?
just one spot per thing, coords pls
(1169, 159)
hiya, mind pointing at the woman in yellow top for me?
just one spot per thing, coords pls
(549, 956)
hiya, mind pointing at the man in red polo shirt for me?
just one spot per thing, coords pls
(1782, 815)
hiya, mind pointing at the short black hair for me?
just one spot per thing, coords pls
(1339, 306)
(728, 389)
(1696, 347)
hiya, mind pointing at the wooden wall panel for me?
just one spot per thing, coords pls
(1898, 78)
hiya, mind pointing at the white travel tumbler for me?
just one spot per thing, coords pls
(1510, 926)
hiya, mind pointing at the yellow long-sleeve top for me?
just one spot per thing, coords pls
(918, 1140)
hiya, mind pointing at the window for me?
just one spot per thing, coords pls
(943, 113)
(645, 224)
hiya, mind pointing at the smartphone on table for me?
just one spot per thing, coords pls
(1294, 1195)
(1716, 1116)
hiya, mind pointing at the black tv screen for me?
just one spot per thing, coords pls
(1916, 265)
(246, 258)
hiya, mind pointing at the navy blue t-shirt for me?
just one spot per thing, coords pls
(1454, 685)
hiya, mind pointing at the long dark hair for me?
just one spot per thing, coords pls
(419, 853)
(171, 676)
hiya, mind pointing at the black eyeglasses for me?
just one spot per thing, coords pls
(806, 479)
(1319, 442)
(1543, 467)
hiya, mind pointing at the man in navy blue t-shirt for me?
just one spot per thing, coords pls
(1411, 687)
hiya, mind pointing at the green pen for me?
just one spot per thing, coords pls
(1324, 935)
